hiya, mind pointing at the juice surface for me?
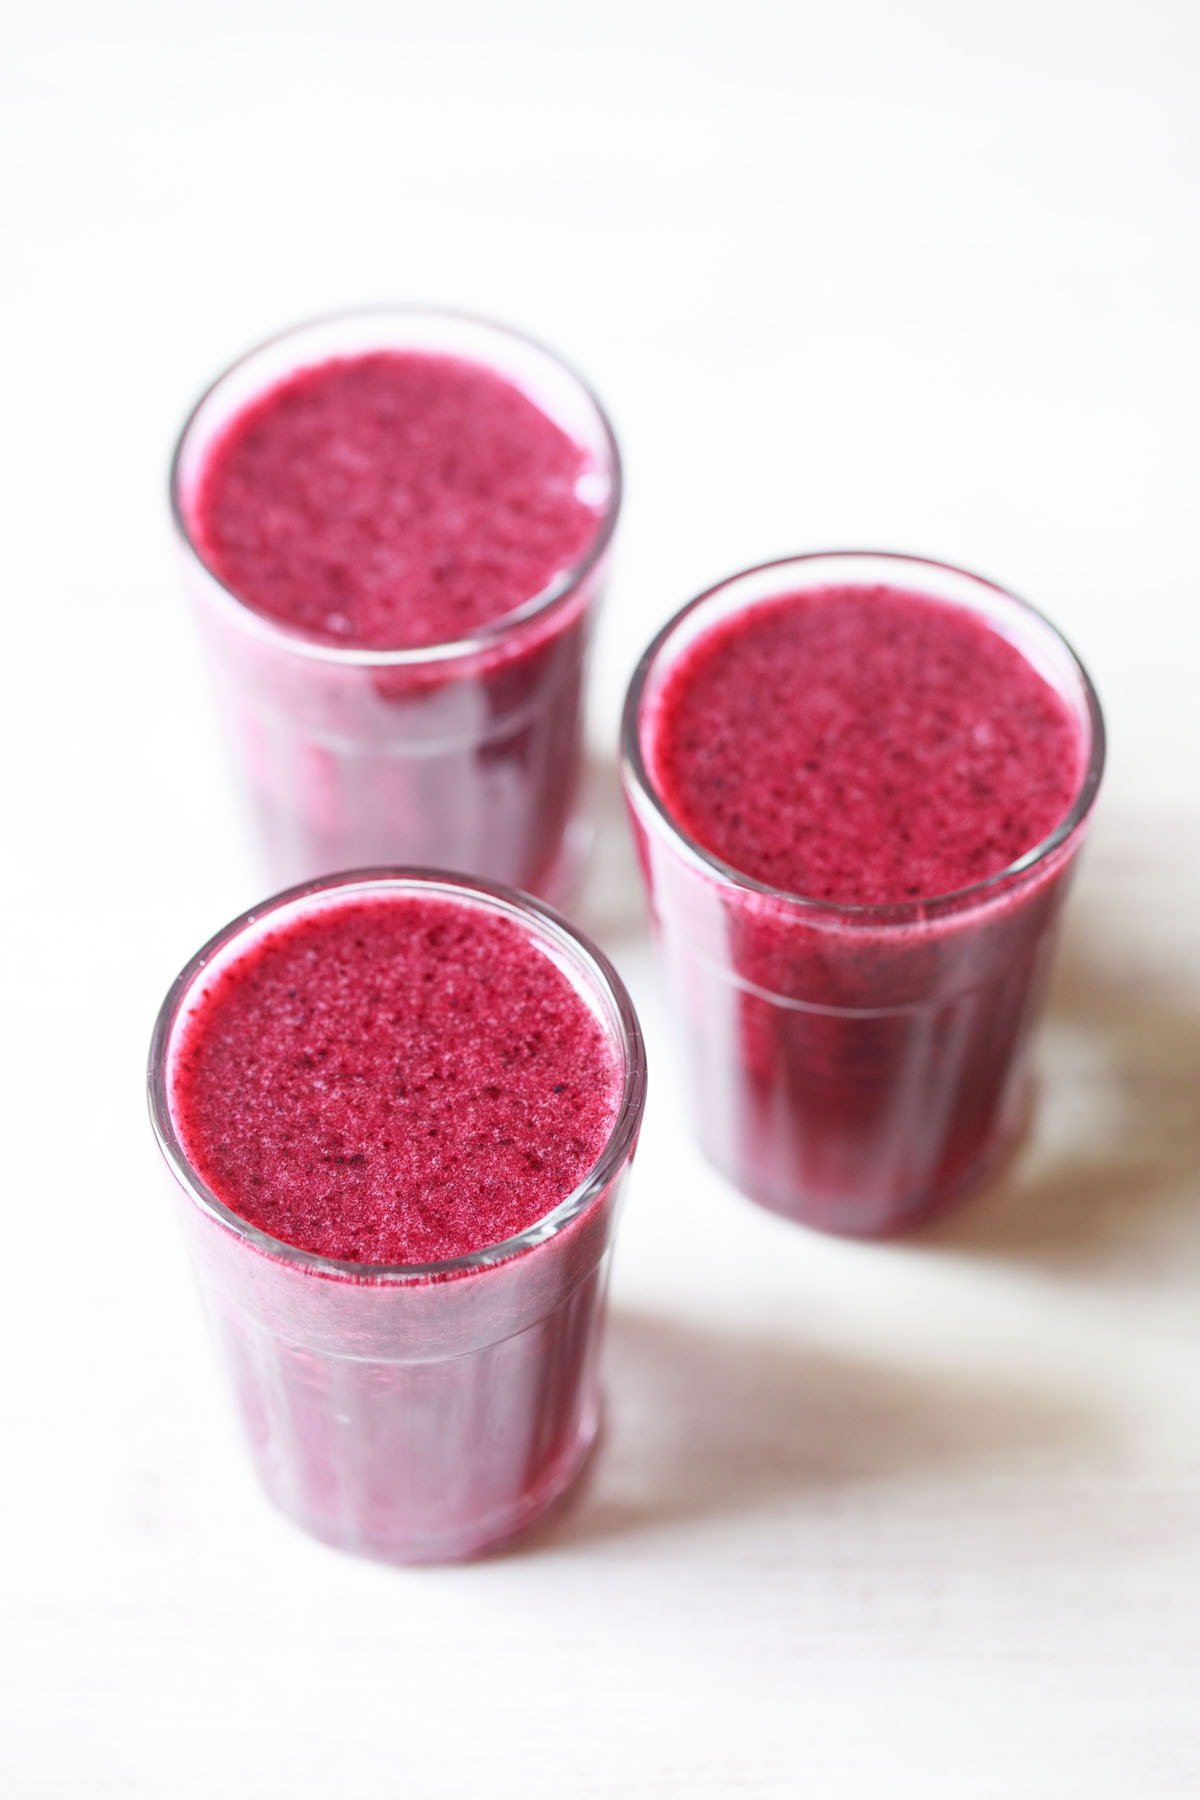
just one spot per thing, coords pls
(392, 500)
(863, 745)
(397, 1079)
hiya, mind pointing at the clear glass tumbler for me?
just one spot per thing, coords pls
(463, 755)
(413, 1413)
(854, 1067)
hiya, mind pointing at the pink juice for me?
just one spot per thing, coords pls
(858, 801)
(395, 527)
(402, 1111)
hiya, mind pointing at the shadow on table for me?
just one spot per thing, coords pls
(717, 1423)
(1125, 1183)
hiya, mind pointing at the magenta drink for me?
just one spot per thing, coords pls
(400, 1110)
(858, 786)
(395, 526)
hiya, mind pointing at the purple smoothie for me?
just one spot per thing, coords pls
(392, 500)
(863, 745)
(397, 1080)
(856, 805)
(395, 528)
(401, 1113)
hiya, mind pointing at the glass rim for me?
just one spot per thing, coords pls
(510, 902)
(897, 912)
(494, 631)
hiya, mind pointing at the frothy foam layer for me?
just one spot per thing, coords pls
(863, 745)
(393, 500)
(398, 1079)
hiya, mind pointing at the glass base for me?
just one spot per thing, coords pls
(859, 1216)
(563, 882)
(284, 863)
(484, 1536)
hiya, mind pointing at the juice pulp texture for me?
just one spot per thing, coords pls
(402, 1079)
(392, 500)
(395, 500)
(394, 1081)
(864, 747)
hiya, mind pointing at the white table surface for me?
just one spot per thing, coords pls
(916, 1519)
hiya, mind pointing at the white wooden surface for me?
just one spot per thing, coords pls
(921, 1519)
